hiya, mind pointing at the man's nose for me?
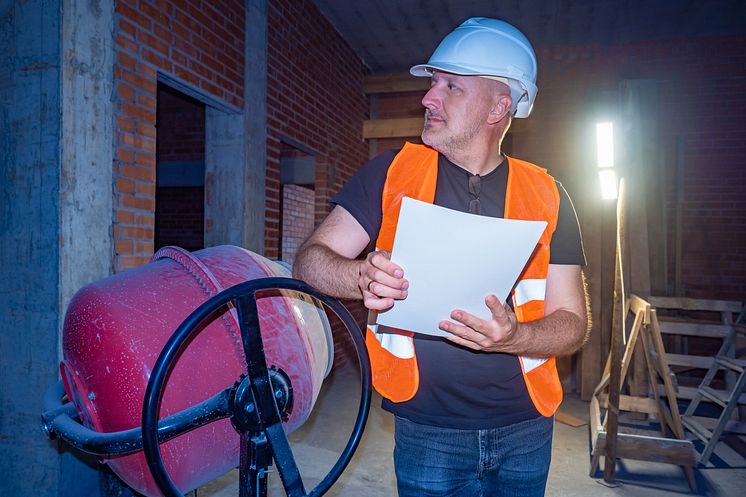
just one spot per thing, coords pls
(431, 100)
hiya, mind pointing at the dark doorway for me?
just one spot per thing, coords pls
(180, 170)
(297, 199)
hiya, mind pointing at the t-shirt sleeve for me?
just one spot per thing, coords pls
(567, 243)
(361, 195)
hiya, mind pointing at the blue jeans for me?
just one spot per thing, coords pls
(509, 461)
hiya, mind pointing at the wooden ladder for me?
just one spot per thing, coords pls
(727, 400)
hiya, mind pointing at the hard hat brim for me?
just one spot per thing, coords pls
(426, 70)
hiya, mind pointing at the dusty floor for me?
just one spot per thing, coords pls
(317, 445)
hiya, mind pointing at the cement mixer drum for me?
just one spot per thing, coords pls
(115, 329)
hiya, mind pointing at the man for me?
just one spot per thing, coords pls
(473, 412)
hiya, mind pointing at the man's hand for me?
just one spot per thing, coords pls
(488, 335)
(381, 282)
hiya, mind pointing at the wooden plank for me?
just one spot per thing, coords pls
(679, 174)
(629, 351)
(569, 419)
(638, 137)
(690, 361)
(653, 378)
(657, 343)
(658, 225)
(695, 304)
(737, 427)
(656, 449)
(393, 128)
(394, 83)
(688, 393)
(709, 330)
(607, 277)
(596, 428)
(629, 403)
(592, 355)
(617, 347)
(637, 304)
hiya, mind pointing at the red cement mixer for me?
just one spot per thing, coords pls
(243, 367)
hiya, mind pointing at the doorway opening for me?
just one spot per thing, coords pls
(180, 170)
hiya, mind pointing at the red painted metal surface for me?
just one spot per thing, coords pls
(115, 329)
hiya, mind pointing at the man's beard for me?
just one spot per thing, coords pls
(447, 141)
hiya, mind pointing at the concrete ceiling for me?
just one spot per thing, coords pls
(392, 35)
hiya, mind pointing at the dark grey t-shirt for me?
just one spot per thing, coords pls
(461, 388)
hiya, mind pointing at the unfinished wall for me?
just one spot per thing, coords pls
(315, 98)
(195, 42)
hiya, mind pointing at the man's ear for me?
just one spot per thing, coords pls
(500, 109)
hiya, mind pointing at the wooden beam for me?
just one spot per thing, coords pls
(636, 304)
(631, 404)
(617, 347)
(393, 128)
(696, 304)
(691, 361)
(688, 393)
(694, 329)
(394, 83)
(569, 419)
(644, 448)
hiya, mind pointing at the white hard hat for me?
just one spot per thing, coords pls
(488, 47)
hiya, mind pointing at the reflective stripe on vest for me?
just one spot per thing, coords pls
(531, 194)
(402, 347)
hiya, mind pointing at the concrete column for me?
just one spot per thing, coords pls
(85, 180)
(55, 217)
(86, 145)
(236, 150)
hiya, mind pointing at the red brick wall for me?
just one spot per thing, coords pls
(190, 40)
(315, 96)
(701, 100)
(297, 219)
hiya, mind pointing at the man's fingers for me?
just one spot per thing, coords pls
(378, 279)
(382, 278)
(381, 260)
(382, 291)
(469, 320)
(498, 309)
(373, 302)
(463, 335)
(463, 342)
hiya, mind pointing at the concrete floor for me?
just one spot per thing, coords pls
(317, 444)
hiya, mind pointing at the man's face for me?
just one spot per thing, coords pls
(456, 111)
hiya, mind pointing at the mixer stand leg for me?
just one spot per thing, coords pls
(256, 458)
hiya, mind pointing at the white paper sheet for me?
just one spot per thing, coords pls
(453, 260)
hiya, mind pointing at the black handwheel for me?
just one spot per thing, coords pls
(254, 401)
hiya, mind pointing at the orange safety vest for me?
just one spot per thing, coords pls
(531, 195)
